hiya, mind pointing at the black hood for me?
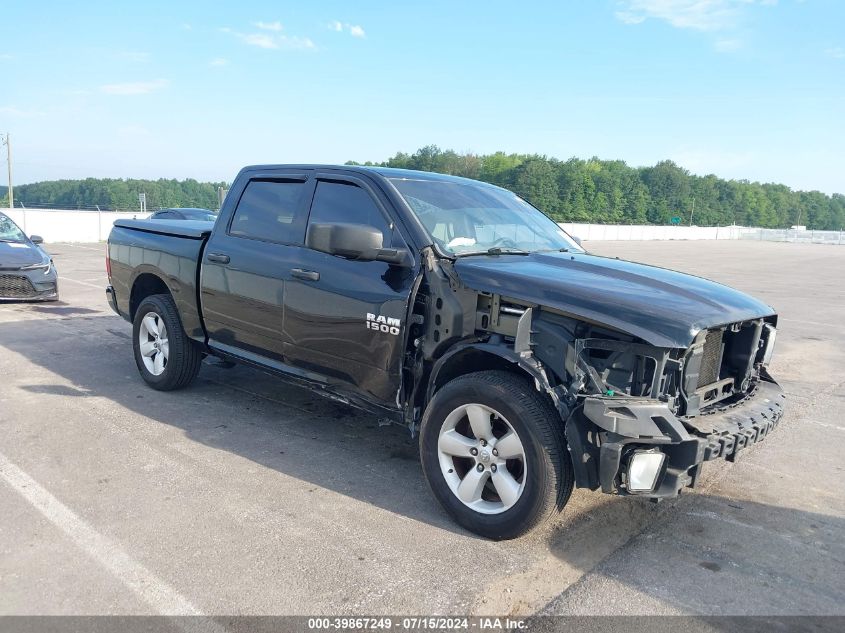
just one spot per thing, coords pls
(17, 254)
(663, 307)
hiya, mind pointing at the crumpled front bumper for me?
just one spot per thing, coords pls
(644, 423)
(730, 430)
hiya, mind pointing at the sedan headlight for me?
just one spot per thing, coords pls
(46, 267)
(643, 470)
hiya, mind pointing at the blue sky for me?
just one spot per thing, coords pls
(749, 89)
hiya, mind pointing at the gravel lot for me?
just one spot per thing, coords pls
(242, 495)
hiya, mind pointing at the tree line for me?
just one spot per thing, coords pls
(610, 191)
(575, 190)
(115, 194)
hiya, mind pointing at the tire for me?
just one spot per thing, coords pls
(544, 474)
(169, 360)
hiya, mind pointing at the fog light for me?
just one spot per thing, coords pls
(643, 470)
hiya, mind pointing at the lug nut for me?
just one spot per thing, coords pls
(484, 442)
(493, 468)
(473, 451)
(480, 467)
(495, 452)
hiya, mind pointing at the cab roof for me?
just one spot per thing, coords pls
(385, 172)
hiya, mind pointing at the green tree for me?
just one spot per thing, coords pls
(112, 193)
(498, 168)
(534, 180)
(591, 190)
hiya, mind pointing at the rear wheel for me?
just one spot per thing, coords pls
(494, 454)
(166, 358)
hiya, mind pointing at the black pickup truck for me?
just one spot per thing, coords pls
(456, 308)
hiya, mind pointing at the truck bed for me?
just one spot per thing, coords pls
(159, 252)
(193, 229)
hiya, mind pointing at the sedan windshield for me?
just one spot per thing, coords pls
(479, 219)
(198, 214)
(9, 231)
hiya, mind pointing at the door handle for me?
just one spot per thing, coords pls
(220, 258)
(308, 275)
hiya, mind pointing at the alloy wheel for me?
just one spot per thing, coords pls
(482, 458)
(153, 343)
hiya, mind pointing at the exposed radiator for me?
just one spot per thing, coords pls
(711, 359)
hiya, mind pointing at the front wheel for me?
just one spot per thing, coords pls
(494, 454)
(166, 358)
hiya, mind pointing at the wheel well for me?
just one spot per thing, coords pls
(470, 361)
(145, 285)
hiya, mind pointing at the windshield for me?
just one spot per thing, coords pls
(472, 219)
(9, 231)
(199, 214)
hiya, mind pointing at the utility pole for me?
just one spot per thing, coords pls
(692, 211)
(8, 145)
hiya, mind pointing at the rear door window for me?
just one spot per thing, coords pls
(272, 211)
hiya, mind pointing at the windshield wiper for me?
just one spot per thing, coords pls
(565, 249)
(496, 250)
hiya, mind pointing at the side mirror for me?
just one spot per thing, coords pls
(36, 239)
(353, 241)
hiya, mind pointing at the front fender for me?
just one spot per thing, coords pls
(450, 366)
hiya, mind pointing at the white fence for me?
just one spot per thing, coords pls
(789, 235)
(94, 226)
(69, 225)
(602, 232)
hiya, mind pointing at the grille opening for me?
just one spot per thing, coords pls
(16, 287)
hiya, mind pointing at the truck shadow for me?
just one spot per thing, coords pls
(240, 410)
(755, 550)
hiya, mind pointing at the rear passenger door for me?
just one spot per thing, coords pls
(329, 298)
(247, 260)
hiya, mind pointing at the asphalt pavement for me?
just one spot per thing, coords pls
(244, 495)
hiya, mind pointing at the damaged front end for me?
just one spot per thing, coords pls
(640, 419)
(647, 418)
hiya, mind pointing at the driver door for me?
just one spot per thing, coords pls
(344, 319)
